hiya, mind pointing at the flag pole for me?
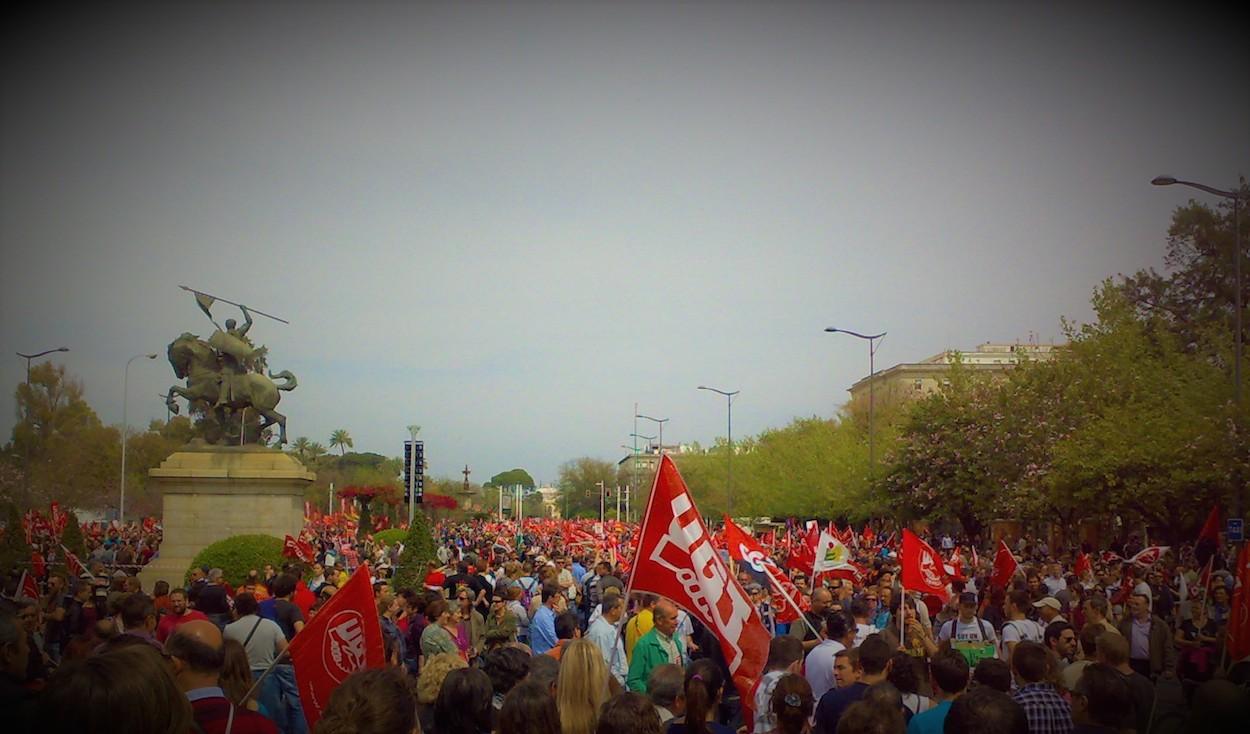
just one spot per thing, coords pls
(629, 583)
(262, 677)
(232, 303)
(777, 585)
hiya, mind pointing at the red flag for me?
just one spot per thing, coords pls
(743, 549)
(1111, 557)
(1149, 556)
(1239, 614)
(870, 536)
(290, 547)
(1083, 566)
(1211, 528)
(803, 554)
(27, 587)
(38, 565)
(1005, 566)
(922, 567)
(676, 560)
(307, 553)
(344, 637)
(73, 564)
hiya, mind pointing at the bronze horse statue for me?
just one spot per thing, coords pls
(195, 360)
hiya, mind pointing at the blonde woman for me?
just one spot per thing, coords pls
(430, 682)
(581, 687)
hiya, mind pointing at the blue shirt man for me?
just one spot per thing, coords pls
(543, 627)
(950, 671)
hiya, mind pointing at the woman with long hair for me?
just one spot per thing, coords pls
(439, 635)
(581, 687)
(463, 705)
(704, 685)
(529, 709)
(430, 683)
(236, 675)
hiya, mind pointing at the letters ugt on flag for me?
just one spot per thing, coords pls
(344, 637)
(676, 560)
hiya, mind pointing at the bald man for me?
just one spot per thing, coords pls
(822, 600)
(196, 652)
(658, 647)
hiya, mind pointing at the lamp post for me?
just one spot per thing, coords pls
(1236, 197)
(872, 371)
(121, 506)
(661, 421)
(729, 480)
(634, 472)
(29, 357)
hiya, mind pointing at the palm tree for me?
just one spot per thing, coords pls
(316, 450)
(300, 447)
(342, 439)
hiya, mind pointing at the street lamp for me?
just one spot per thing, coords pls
(36, 356)
(1236, 197)
(661, 421)
(729, 480)
(121, 507)
(872, 371)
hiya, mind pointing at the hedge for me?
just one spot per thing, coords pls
(238, 554)
(390, 536)
(419, 549)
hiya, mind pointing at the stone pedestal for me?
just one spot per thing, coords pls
(213, 492)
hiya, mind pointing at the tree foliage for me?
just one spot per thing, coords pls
(578, 483)
(511, 478)
(239, 554)
(419, 549)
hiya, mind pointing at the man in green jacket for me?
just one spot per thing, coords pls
(656, 648)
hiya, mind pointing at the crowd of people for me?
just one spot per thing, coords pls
(535, 632)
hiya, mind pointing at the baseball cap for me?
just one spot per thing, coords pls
(1048, 601)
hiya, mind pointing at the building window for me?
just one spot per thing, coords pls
(918, 385)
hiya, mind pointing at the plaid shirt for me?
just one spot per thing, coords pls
(1046, 710)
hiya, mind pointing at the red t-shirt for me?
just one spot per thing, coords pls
(435, 579)
(170, 622)
(304, 598)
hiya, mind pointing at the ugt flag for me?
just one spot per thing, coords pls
(922, 567)
(1005, 566)
(344, 637)
(676, 560)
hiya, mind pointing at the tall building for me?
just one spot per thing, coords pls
(917, 379)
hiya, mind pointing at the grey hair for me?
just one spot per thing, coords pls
(215, 573)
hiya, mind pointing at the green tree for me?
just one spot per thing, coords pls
(300, 448)
(579, 485)
(72, 537)
(511, 478)
(65, 452)
(13, 547)
(342, 439)
(419, 549)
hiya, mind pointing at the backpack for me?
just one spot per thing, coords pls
(972, 654)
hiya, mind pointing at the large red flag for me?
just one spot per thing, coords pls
(1005, 566)
(343, 638)
(1239, 614)
(803, 554)
(676, 560)
(1149, 556)
(922, 567)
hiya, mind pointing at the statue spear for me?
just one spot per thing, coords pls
(200, 297)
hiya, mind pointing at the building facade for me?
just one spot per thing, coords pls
(916, 379)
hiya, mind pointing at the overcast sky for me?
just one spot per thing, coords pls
(508, 224)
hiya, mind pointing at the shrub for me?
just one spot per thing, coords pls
(390, 536)
(13, 548)
(238, 554)
(72, 537)
(419, 549)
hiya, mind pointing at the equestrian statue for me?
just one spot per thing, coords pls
(226, 376)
